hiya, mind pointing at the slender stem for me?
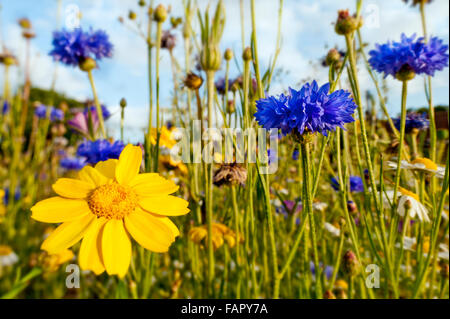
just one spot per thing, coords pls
(97, 104)
(402, 139)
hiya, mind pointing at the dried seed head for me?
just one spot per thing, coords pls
(230, 174)
(193, 81)
(351, 263)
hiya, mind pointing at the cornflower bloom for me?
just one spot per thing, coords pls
(99, 150)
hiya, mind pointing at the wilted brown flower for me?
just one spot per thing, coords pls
(230, 174)
(193, 81)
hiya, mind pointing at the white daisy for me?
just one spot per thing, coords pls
(7, 256)
(332, 229)
(408, 202)
(420, 164)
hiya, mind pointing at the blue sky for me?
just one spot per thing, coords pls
(307, 34)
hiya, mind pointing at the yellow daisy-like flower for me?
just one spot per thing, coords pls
(52, 262)
(105, 206)
(165, 138)
(220, 235)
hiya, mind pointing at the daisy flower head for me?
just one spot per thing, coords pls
(99, 150)
(419, 164)
(75, 46)
(409, 203)
(310, 109)
(414, 122)
(106, 206)
(409, 55)
(7, 256)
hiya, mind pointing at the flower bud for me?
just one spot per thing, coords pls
(228, 55)
(333, 57)
(351, 264)
(231, 108)
(28, 34)
(87, 64)
(132, 15)
(247, 55)
(193, 81)
(141, 3)
(123, 102)
(25, 23)
(405, 73)
(160, 14)
(211, 58)
(345, 23)
(175, 21)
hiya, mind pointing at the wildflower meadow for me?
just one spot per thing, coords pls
(238, 176)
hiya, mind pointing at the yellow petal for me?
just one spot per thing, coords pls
(129, 163)
(67, 234)
(91, 246)
(170, 224)
(58, 210)
(107, 168)
(93, 176)
(116, 248)
(149, 231)
(150, 184)
(72, 188)
(165, 205)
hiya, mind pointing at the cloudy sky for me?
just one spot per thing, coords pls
(307, 34)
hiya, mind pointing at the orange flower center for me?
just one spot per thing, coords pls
(427, 162)
(5, 250)
(408, 193)
(112, 201)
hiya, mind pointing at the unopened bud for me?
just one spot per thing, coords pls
(247, 54)
(333, 57)
(231, 108)
(345, 23)
(25, 23)
(175, 21)
(228, 55)
(211, 58)
(123, 102)
(193, 81)
(141, 3)
(329, 295)
(351, 206)
(132, 15)
(351, 263)
(160, 14)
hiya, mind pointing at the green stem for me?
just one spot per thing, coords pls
(97, 104)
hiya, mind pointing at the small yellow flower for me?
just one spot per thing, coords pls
(106, 205)
(220, 234)
(341, 284)
(168, 163)
(51, 262)
(165, 138)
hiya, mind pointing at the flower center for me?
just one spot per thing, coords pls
(427, 162)
(408, 193)
(112, 201)
(5, 250)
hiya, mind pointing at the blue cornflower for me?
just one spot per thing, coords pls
(17, 195)
(220, 85)
(5, 107)
(356, 184)
(100, 150)
(105, 112)
(411, 53)
(295, 154)
(55, 114)
(414, 121)
(73, 47)
(328, 270)
(311, 109)
(72, 163)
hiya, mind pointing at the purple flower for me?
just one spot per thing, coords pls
(356, 184)
(55, 114)
(105, 112)
(5, 107)
(99, 150)
(73, 47)
(72, 163)
(413, 121)
(311, 109)
(168, 40)
(415, 54)
(80, 122)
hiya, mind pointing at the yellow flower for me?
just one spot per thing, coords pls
(220, 234)
(342, 284)
(165, 137)
(105, 206)
(168, 163)
(51, 262)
